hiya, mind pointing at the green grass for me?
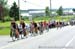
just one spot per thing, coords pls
(5, 31)
(6, 25)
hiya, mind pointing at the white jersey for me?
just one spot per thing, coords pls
(27, 27)
(20, 27)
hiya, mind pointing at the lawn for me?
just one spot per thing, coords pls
(5, 30)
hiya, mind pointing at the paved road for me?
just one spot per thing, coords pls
(4, 40)
(63, 38)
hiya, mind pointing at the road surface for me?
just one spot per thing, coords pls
(63, 38)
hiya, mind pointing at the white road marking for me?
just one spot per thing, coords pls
(17, 42)
(68, 43)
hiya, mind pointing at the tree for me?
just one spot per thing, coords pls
(3, 9)
(47, 11)
(60, 11)
(73, 10)
(14, 11)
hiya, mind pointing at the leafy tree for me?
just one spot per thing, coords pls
(14, 11)
(73, 10)
(60, 11)
(47, 11)
(3, 9)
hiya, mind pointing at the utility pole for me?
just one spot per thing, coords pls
(19, 9)
(50, 8)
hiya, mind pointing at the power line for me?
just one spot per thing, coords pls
(32, 3)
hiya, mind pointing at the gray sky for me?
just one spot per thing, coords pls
(35, 4)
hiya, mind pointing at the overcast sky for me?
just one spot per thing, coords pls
(35, 4)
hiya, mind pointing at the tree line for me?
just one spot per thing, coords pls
(13, 11)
